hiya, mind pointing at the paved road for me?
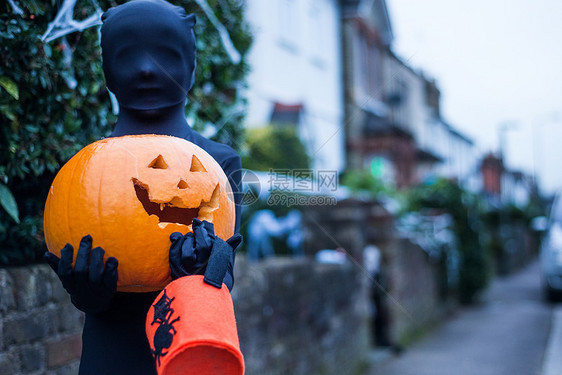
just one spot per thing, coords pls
(506, 334)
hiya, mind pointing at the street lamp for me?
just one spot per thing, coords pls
(551, 117)
(503, 128)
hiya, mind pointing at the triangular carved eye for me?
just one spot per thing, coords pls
(158, 163)
(196, 165)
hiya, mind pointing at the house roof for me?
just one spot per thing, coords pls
(458, 134)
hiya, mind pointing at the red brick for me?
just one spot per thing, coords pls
(63, 350)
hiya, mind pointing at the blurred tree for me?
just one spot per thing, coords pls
(274, 147)
(358, 180)
(53, 102)
(448, 196)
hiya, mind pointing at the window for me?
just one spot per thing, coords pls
(368, 67)
(288, 28)
(374, 71)
(316, 30)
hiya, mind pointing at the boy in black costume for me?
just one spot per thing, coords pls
(148, 50)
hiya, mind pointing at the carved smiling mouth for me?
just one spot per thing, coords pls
(175, 211)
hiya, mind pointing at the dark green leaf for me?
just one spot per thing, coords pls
(9, 203)
(10, 86)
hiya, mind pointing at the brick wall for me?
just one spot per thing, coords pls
(412, 281)
(39, 328)
(294, 317)
(410, 277)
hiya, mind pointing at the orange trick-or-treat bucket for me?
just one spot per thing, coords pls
(191, 329)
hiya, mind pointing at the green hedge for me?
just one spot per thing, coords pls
(43, 121)
(465, 209)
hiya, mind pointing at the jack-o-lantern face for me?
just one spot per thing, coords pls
(130, 193)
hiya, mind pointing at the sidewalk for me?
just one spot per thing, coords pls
(506, 334)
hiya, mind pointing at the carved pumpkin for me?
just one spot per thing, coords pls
(130, 193)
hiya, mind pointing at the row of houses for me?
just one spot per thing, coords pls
(327, 67)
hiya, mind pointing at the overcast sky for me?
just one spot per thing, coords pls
(496, 62)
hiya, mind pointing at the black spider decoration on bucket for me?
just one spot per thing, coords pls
(164, 334)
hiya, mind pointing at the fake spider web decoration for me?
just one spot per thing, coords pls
(231, 51)
(15, 9)
(64, 24)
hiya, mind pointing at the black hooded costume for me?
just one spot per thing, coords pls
(148, 49)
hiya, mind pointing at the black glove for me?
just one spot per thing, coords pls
(91, 287)
(191, 254)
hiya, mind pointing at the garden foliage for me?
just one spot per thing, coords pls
(274, 147)
(475, 262)
(45, 119)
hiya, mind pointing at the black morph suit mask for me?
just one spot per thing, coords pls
(148, 64)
